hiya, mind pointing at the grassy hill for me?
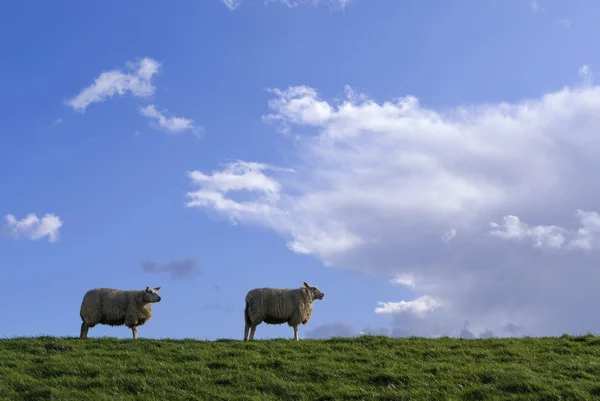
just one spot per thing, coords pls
(363, 368)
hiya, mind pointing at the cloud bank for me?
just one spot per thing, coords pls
(384, 188)
(337, 329)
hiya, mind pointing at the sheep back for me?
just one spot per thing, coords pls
(114, 307)
(278, 306)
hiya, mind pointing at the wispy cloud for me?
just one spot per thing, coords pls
(171, 125)
(332, 4)
(448, 235)
(178, 268)
(535, 6)
(404, 279)
(232, 4)
(216, 306)
(586, 74)
(137, 80)
(567, 23)
(34, 228)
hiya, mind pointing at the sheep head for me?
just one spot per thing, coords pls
(151, 294)
(317, 294)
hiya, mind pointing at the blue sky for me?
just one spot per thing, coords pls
(381, 200)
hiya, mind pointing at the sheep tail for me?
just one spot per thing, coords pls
(247, 314)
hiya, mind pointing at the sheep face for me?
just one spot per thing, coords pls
(317, 294)
(151, 295)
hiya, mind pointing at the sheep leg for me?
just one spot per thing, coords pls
(252, 331)
(84, 330)
(246, 330)
(131, 322)
(296, 333)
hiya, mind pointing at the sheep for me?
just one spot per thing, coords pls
(278, 306)
(117, 307)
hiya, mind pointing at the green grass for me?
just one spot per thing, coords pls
(363, 368)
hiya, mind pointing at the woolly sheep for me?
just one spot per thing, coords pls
(114, 307)
(278, 306)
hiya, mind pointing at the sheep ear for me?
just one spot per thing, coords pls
(306, 285)
(156, 288)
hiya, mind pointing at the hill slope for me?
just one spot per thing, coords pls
(363, 368)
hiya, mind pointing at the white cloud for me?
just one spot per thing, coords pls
(264, 207)
(332, 4)
(34, 228)
(172, 125)
(418, 307)
(513, 228)
(448, 235)
(137, 81)
(236, 176)
(586, 74)
(535, 6)
(588, 232)
(407, 280)
(377, 182)
(232, 4)
(551, 236)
